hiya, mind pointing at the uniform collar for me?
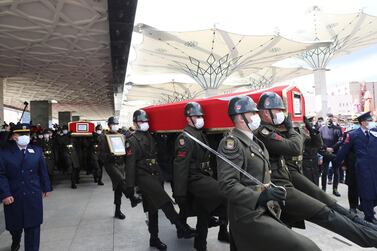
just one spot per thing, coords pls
(249, 134)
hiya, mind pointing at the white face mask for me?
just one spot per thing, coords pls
(144, 126)
(99, 131)
(23, 140)
(65, 131)
(279, 118)
(40, 136)
(371, 125)
(199, 123)
(114, 128)
(255, 122)
(46, 136)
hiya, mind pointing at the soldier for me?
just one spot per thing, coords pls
(193, 177)
(254, 218)
(97, 165)
(68, 155)
(310, 162)
(283, 143)
(142, 170)
(115, 167)
(47, 148)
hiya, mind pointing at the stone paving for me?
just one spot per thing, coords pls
(82, 220)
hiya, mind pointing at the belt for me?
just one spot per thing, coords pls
(47, 152)
(69, 146)
(297, 158)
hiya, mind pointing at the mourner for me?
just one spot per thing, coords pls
(143, 171)
(23, 183)
(283, 142)
(253, 215)
(194, 184)
(363, 142)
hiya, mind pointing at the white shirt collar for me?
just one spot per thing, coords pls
(248, 133)
(21, 148)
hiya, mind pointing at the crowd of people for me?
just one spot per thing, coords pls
(262, 181)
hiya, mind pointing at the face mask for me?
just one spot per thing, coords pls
(99, 131)
(255, 122)
(46, 136)
(371, 125)
(144, 126)
(354, 127)
(199, 123)
(279, 118)
(65, 131)
(114, 128)
(40, 136)
(23, 140)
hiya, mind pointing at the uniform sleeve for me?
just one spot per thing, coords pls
(183, 153)
(315, 140)
(345, 148)
(275, 143)
(4, 184)
(229, 177)
(131, 157)
(43, 173)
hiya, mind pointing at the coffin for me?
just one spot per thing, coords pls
(170, 117)
(81, 128)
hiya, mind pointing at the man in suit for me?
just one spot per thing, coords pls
(23, 182)
(363, 142)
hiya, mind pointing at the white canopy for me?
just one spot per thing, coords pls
(210, 56)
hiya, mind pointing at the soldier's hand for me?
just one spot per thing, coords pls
(288, 122)
(45, 194)
(272, 193)
(8, 200)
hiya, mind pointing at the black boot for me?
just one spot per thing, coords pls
(336, 193)
(223, 234)
(353, 216)
(214, 222)
(135, 200)
(157, 243)
(118, 214)
(100, 183)
(73, 186)
(183, 230)
(15, 246)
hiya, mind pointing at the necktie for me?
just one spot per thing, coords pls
(367, 134)
(23, 151)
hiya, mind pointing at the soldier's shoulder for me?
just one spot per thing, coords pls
(264, 130)
(182, 141)
(229, 143)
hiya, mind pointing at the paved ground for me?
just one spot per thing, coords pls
(81, 220)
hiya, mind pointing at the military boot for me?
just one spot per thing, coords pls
(223, 235)
(15, 246)
(157, 243)
(118, 214)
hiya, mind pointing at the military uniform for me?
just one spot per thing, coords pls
(114, 166)
(143, 171)
(253, 226)
(282, 145)
(95, 162)
(194, 181)
(47, 148)
(310, 167)
(69, 157)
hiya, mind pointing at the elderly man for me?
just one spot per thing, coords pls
(23, 182)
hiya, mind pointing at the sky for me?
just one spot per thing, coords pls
(263, 17)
